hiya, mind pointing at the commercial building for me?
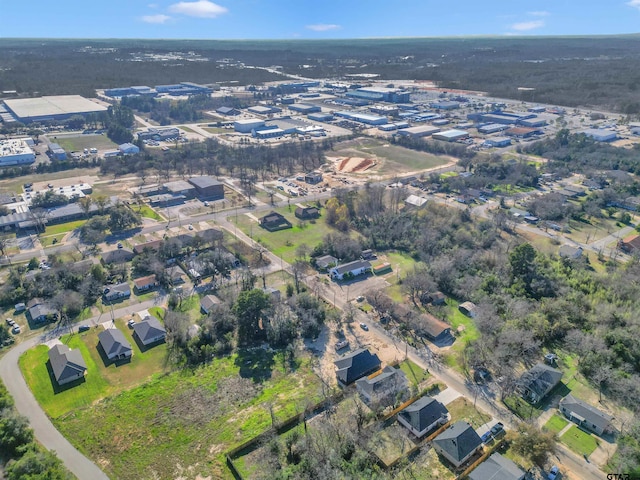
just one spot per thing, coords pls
(362, 118)
(184, 88)
(388, 110)
(180, 187)
(56, 152)
(128, 149)
(522, 132)
(208, 187)
(492, 128)
(61, 107)
(451, 135)
(15, 152)
(445, 105)
(228, 111)
(419, 131)
(320, 117)
(269, 133)
(381, 94)
(248, 125)
(158, 134)
(263, 109)
(134, 91)
(498, 142)
(600, 135)
(305, 108)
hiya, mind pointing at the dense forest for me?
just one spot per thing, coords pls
(595, 72)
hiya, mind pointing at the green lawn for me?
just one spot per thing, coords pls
(284, 242)
(148, 212)
(463, 409)
(579, 441)
(556, 424)
(186, 420)
(100, 381)
(522, 409)
(414, 373)
(80, 142)
(49, 240)
(63, 227)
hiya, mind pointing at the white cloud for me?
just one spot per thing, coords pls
(526, 26)
(540, 13)
(323, 27)
(159, 18)
(200, 8)
(634, 4)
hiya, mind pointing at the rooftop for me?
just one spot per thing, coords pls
(54, 105)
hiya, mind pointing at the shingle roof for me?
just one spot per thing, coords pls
(497, 467)
(433, 326)
(423, 412)
(459, 440)
(148, 329)
(389, 377)
(541, 379)
(589, 413)
(355, 365)
(66, 363)
(348, 267)
(114, 343)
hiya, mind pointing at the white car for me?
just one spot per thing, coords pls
(16, 329)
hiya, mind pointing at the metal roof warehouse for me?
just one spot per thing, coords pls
(52, 108)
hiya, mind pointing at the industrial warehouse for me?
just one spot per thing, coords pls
(60, 107)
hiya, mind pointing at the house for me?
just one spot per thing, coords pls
(114, 345)
(175, 275)
(116, 292)
(153, 245)
(367, 254)
(434, 328)
(350, 269)
(423, 415)
(569, 251)
(585, 415)
(536, 383)
(497, 467)
(438, 298)
(383, 389)
(415, 201)
(121, 255)
(20, 307)
(145, 283)
(273, 222)
(41, 311)
(355, 365)
(306, 212)
(470, 309)
(149, 331)
(326, 261)
(457, 443)
(67, 365)
(207, 303)
(630, 244)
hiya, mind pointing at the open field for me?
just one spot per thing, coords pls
(184, 421)
(15, 184)
(391, 158)
(579, 441)
(80, 142)
(427, 466)
(101, 380)
(63, 227)
(148, 212)
(414, 373)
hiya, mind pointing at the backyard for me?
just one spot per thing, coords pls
(185, 421)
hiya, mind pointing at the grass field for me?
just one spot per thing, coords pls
(80, 142)
(521, 408)
(390, 442)
(556, 423)
(391, 158)
(187, 129)
(100, 381)
(15, 184)
(414, 373)
(463, 409)
(63, 227)
(284, 242)
(185, 421)
(148, 212)
(579, 441)
(427, 466)
(50, 240)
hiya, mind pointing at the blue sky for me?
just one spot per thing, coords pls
(311, 19)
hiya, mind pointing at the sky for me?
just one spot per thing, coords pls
(313, 19)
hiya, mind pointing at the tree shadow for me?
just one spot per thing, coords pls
(256, 364)
(57, 388)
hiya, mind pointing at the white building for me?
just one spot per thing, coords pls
(248, 125)
(15, 151)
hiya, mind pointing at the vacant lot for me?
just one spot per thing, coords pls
(463, 409)
(414, 373)
(391, 159)
(101, 380)
(80, 142)
(427, 466)
(180, 424)
(390, 442)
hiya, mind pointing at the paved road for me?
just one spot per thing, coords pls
(26, 404)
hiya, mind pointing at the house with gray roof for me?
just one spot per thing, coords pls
(355, 365)
(149, 331)
(497, 467)
(120, 255)
(585, 415)
(326, 261)
(115, 292)
(115, 345)
(208, 302)
(383, 389)
(41, 311)
(536, 383)
(457, 443)
(358, 267)
(423, 415)
(67, 365)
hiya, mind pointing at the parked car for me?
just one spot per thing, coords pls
(10, 322)
(16, 329)
(553, 473)
(131, 323)
(83, 328)
(486, 437)
(364, 326)
(497, 429)
(341, 345)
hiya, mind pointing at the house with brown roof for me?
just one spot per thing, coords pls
(144, 284)
(307, 212)
(153, 245)
(630, 244)
(434, 328)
